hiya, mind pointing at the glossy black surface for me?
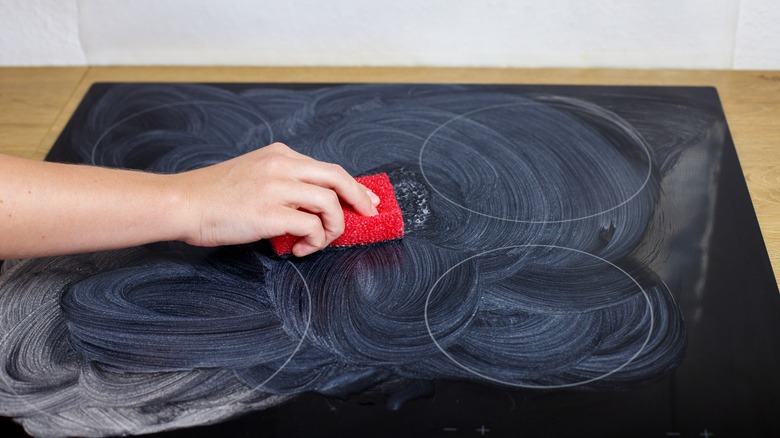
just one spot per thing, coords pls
(716, 267)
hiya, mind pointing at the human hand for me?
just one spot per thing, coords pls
(269, 192)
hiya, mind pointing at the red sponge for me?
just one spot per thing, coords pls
(358, 229)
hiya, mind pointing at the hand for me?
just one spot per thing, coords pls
(270, 192)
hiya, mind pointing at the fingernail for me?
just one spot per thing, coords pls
(374, 211)
(374, 197)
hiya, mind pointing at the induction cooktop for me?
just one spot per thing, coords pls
(579, 261)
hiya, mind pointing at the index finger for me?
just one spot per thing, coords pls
(334, 177)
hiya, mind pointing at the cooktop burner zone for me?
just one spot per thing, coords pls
(577, 260)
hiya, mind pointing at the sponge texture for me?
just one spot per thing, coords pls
(358, 229)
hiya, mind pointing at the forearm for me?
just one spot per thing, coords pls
(50, 208)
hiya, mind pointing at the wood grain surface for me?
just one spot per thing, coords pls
(36, 103)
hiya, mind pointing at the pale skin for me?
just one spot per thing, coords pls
(53, 209)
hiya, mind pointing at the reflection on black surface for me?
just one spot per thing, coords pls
(538, 260)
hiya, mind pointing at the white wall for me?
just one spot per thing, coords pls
(518, 33)
(40, 32)
(758, 35)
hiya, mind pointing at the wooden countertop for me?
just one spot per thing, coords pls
(36, 103)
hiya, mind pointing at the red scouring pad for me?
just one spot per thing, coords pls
(358, 229)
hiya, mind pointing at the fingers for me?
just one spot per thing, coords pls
(309, 227)
(318, 222)
(334, 177)
(331, 176)
(313, 213)
(311, 192)
(318, 216)
(322, 202)
(374, 198)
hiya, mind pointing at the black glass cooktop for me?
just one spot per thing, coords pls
(578, 261)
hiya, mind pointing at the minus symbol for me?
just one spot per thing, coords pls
(672, 433)
(450, 429)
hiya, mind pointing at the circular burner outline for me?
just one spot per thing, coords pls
(303, 336)
(170, 105)
(531, 386)
(465, 116)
